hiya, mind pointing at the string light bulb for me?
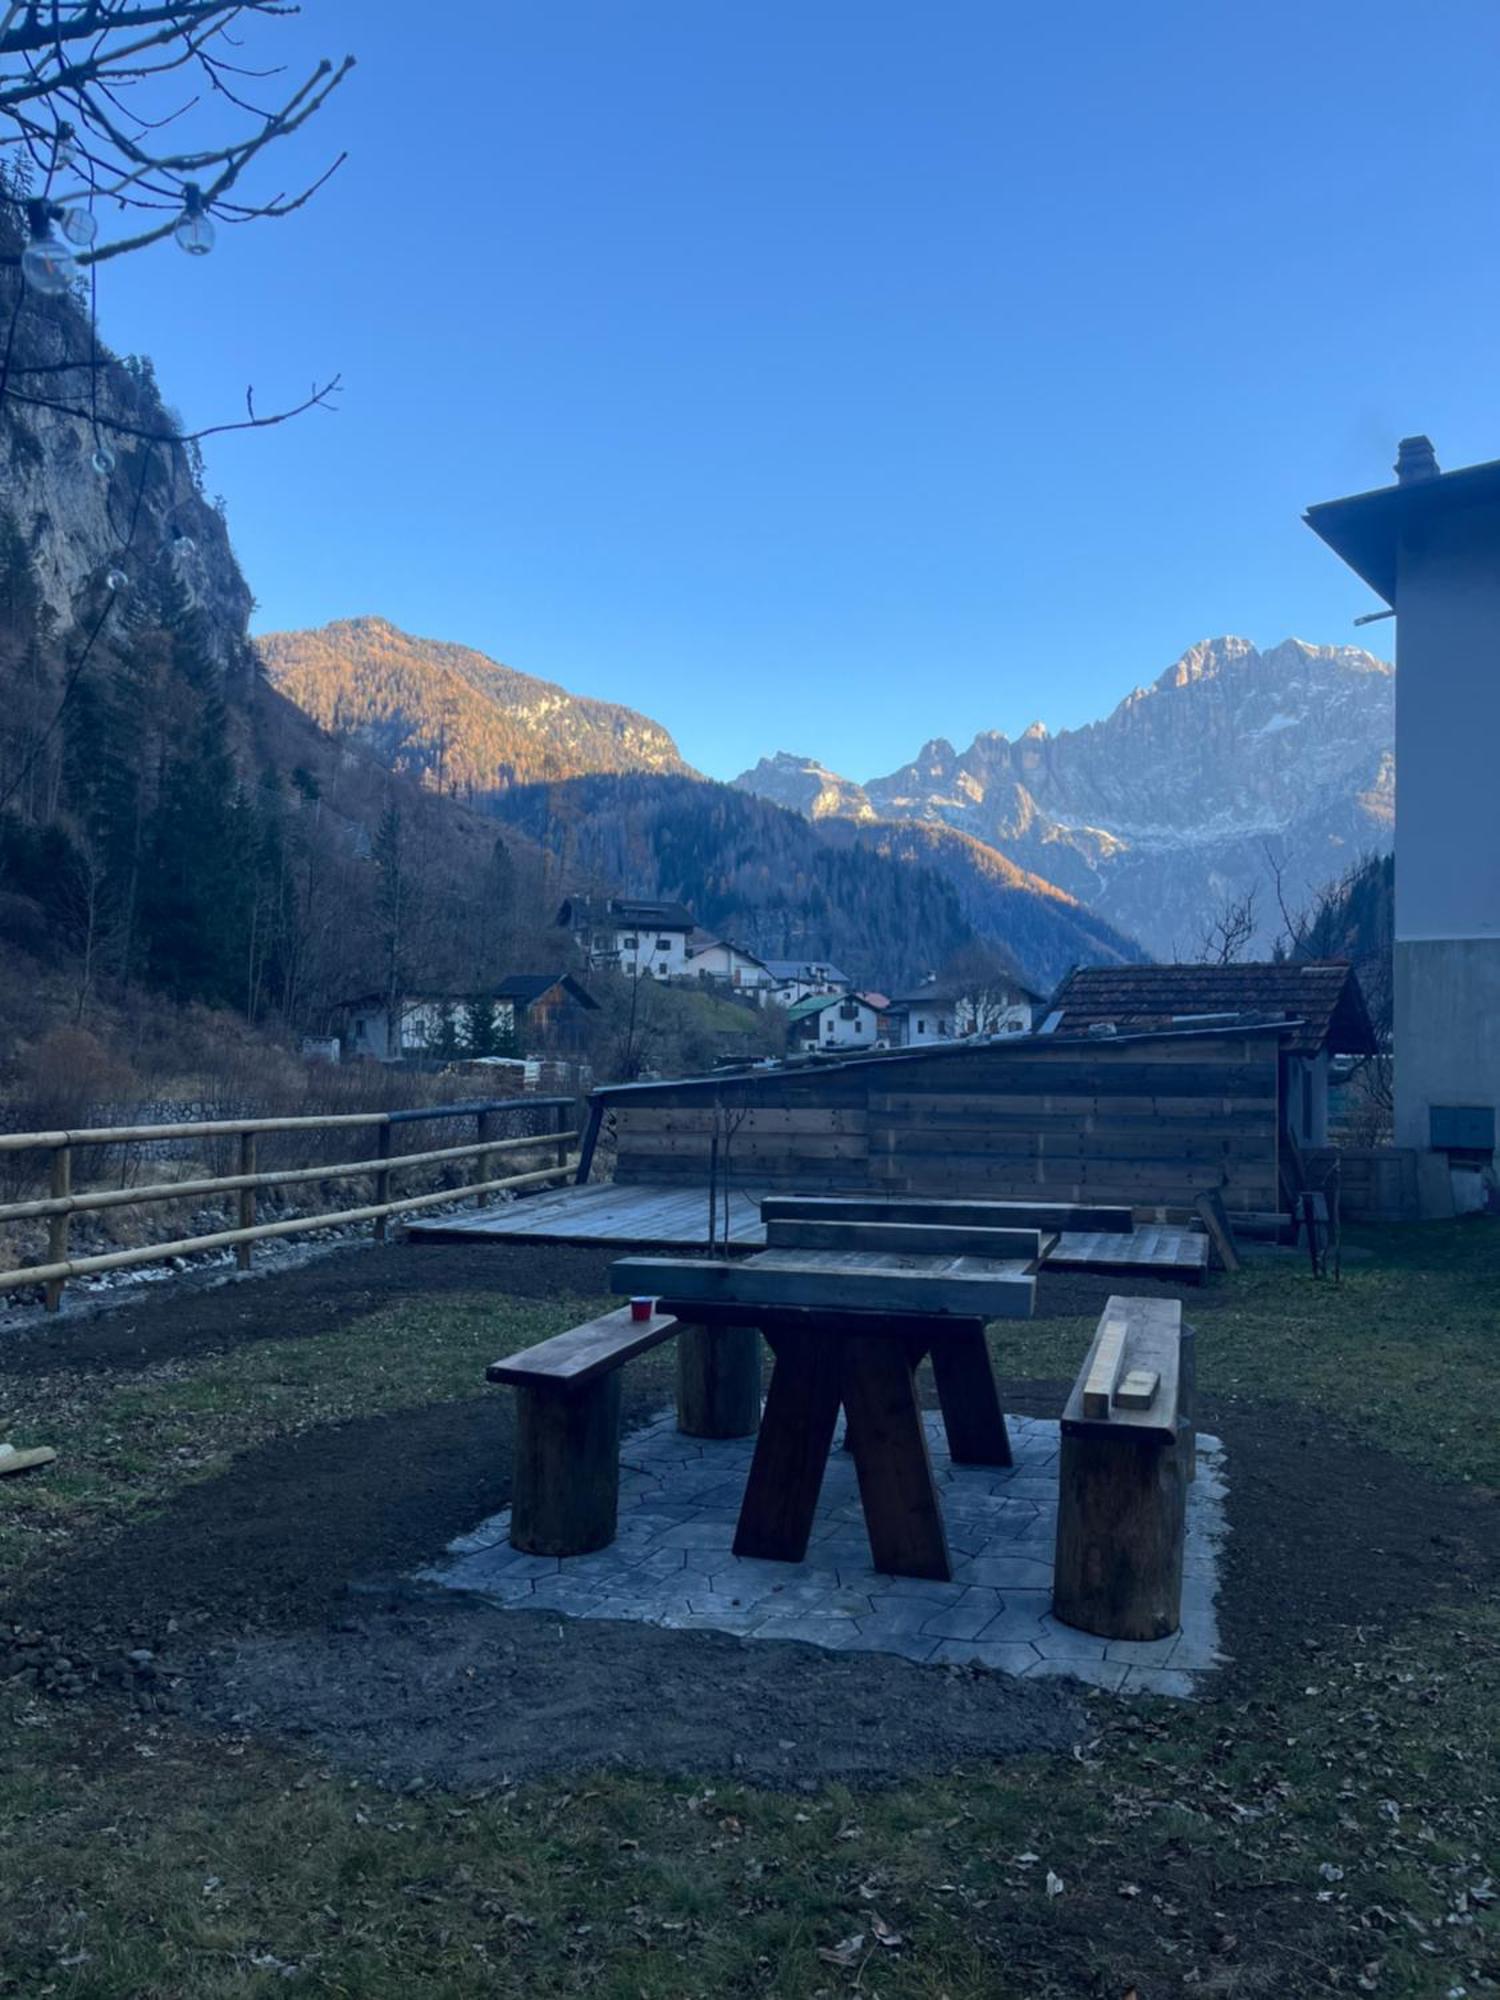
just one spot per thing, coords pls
(103, 460)
(195, 231)
(117, 580)
(64, 148)
(80, 226)
(47, 264)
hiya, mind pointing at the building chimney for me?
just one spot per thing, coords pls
(1415, 461)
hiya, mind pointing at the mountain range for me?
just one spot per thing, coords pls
(1176, 803)
(525, 749)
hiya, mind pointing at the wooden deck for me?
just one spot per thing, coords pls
(658, 1218)
(666, 1218)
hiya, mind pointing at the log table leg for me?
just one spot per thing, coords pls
(718, 1381)
(791, 1451)
(566, 1487)
(889, 1441)
(970, 1399)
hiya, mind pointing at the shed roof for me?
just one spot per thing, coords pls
(579, 910)
(1320, 999)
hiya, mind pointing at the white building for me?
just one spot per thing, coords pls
(1430, 547)
(726, 964)
(799, 979)
(833, 1021)
(940, 1013)
(638, 937)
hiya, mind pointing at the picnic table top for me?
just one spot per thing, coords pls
(894, 1283)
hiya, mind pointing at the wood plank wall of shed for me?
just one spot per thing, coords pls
(1149, 1123)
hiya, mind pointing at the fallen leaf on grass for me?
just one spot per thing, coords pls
(884, 1935)
(1054, 1884)
(845, 1954)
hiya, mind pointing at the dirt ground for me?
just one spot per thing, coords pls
(275, 1598)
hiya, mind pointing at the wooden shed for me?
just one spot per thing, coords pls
(1148, 1119)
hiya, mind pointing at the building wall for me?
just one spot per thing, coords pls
(662, 954)
(1447, 974)
(1447, 1030)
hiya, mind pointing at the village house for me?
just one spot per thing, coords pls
(637, 937)
(1320, 1001)
(1429, 546)
(942, 1012)
(799, 979)
(722, 963)
(832, 1021)
(527, 1010)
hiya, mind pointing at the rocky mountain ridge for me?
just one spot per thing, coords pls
(451, 717)
(1156, 814)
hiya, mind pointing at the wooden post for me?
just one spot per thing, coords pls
(60, 1186)
(1120, 1520)
(484, 1163)
(242, 1251)
(566, 1482)
(382, 1179)
(718, 1381)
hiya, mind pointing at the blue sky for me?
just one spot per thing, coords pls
(831, 374)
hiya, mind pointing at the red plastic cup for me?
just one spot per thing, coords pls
(642, 1309)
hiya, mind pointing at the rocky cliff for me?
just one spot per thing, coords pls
(453, 718)
(1155, 815)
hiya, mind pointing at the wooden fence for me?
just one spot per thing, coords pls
(1149, 1120)
(61, 1203)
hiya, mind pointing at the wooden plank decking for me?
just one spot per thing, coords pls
(665, 1218)
(676, 1218)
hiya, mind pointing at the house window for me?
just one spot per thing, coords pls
(664, 968)
(663, 944)
(921, 1027)
(629, 944)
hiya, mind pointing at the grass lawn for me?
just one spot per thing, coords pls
(1329, 1823)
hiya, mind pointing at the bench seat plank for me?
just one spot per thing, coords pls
(570, 1359)
(1153, 1334)
(921, 1239)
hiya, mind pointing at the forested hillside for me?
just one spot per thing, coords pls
(748, 870)
(783, 887)
(1041, 930)
(452, 718)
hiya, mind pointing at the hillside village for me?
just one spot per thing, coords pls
(809, 1006)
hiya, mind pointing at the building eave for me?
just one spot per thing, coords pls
(1366, 530)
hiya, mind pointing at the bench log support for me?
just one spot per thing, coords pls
(718, 1381)
(566, 1491)
(1122, 1486)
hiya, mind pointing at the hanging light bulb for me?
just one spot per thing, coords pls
(47, 264)
(64, 148)
(195, 231)
(183, 545)
(103, 460)
(117, 581)
(80, 226)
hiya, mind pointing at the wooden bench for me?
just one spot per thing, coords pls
(565, 1490)
(1122, 1479)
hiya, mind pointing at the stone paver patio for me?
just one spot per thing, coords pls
(672, 1565)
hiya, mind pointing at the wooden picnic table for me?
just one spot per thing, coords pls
(849, 1327)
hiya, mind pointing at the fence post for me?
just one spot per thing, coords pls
(61, 1185)
(383, 1178)
(565, 1115)
(484, 1162)
(243, 1251)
